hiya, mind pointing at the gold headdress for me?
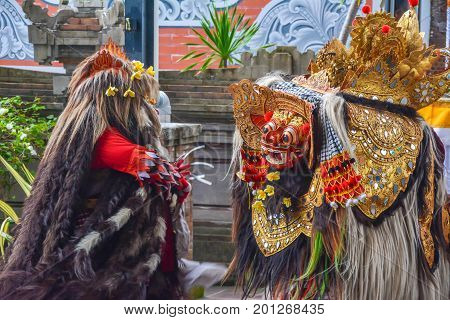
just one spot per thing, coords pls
(387, 61)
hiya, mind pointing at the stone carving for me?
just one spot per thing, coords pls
(39, 16)
(14, 43)
(187, 13)
(305, 24)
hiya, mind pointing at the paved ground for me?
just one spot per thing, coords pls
(227, 293)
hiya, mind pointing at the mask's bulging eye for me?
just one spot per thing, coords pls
(270, 126)
(290, 136)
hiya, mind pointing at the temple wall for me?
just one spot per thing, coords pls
(307, 25)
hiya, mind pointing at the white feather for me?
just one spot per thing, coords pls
(153, 262)
(120, 218)
(88, 242)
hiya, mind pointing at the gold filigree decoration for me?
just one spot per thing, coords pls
(445, 223)
(250, 100)
(318, 82)
(272, 237)
(426, 217)
(387, 146)
(388, 66)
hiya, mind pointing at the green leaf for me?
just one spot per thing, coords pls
(26, 187)
(4, 235)
(28, 175)
(190, 67)
(8, 211)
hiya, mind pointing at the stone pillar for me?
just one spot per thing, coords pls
(179, 138)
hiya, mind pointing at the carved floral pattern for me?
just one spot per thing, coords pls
(187, 13)
(305, 24)
(14, 43)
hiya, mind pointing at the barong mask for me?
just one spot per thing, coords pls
(351, 125)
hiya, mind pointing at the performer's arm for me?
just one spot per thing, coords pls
(116, 152)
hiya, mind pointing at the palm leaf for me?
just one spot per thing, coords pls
(8, 211)
(223, 32)
(4, 235)
(26, 187)
(190, 67)
(28, 175)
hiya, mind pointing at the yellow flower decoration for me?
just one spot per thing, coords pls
(137, 65)
(273, 176)
(258, 206)
(151, 71)
(287, 202)
(261, 195)
(136, 75)
(270, 190)
(111, 91)
(129, 93)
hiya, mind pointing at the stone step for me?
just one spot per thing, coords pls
(193, 88)
(20, 74)
(198, 95)
(213, 251)
(8, 79)
(201, 117)
(9, 91)
(201, 102)
(212, 234)
(195, 82)
(26, 85)
(205, 108)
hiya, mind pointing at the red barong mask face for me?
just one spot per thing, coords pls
(275, 127)
(285, 138)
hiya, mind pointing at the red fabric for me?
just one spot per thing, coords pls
(116, 152)
(168, 258)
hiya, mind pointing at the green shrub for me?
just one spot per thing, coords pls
(23, 134)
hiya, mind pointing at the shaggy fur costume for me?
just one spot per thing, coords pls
(348, 256)
(95, 234)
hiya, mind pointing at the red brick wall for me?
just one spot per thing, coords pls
(172, 40)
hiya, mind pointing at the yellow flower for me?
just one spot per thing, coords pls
(111, 91)
(136, 75)
(287, 202)
(129, 93)
(273, 176)
(270, 190)
(151, 71)
(137, 65)
(258, 206)
(261, 195)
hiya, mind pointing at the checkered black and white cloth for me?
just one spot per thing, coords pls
(313, 97)
(332, 145)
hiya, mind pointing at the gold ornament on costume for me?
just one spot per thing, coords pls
(387, 146)
(426, 217)
(391, 67)
(275, 234)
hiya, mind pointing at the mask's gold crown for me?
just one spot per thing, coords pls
(387, 61)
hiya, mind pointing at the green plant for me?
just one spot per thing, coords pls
(23, 134)
(228, 34)
(9, 215)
